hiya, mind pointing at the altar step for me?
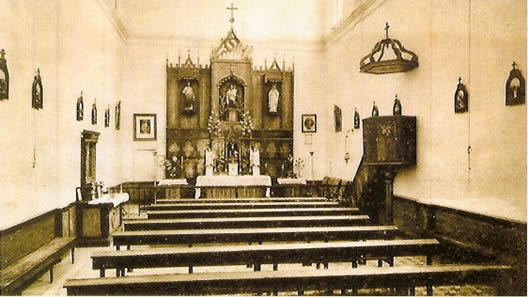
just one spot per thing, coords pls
(240, 205)
(245, 222)
(250, 212)
(241, 200)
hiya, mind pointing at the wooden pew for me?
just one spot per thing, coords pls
(238, 205)
(190, 237)
(252, 222)
(264, 254)
(15, 277)
(220, 213)
(243, 200)
(288, 281)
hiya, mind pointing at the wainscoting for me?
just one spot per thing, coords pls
(476, 235)
(22, 239)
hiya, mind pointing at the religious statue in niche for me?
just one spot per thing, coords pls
(118, 115)
(515, 87)
(37, 92)
(107, 117)
(4, 77)
(397, 108)
(273, 99)
(231, 93)
(375, 111)
(461, 98)
(232, 152)
(188, 98)
(356, 119)
(94, 112)
(80, 108)
(338, 119)
(231, 96)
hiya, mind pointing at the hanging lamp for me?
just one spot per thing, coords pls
(373, 63)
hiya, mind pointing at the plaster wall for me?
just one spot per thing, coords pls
(77, 49)
(476, 40)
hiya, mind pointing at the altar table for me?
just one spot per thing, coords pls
(227, 186)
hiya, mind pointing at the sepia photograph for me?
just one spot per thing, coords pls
(263, 147)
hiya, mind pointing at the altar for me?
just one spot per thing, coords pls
(228, 186)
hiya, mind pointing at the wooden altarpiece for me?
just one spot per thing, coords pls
(233, 90)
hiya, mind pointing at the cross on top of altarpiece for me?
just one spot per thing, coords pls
(232, 19)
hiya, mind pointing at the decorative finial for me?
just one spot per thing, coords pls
(198, 58)
(395, 96)
(81, 93)
(232, 19)
(179, 57)
(265, 64)
(2, 52)
(188, 53)
(514, 64)
(38, 71)
(459, 80)
(387, 30)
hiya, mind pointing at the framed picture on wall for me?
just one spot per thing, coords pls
(309, 123)
(144, 127)
(338, 118)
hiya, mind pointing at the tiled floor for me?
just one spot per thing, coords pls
(83, 269)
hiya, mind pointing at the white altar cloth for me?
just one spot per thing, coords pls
(291, 181)
(232, 181)
(170, 182)
(114, 198)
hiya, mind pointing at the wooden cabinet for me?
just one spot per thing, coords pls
(389, 140)
(97, 222)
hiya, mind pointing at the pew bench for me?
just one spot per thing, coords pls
(256, 255)
(238, 205)
(253, 222)
(401, 277)
(14, 278)
(243, 200)
(190, 237)
(221, 213)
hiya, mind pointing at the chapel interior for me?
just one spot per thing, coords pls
(251, 147)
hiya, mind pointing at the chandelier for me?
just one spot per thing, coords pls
(373, 63)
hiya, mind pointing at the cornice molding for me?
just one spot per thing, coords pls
(106, 5)
(346, 25)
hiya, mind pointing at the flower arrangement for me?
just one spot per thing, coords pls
(173, 168)
(246, 122)
(213, 125)
(298, 165)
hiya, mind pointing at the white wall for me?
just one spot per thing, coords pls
(76, 48)
(477, 40)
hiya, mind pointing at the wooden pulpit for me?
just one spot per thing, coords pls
(389, 144)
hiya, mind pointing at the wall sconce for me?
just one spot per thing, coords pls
(347, 154)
